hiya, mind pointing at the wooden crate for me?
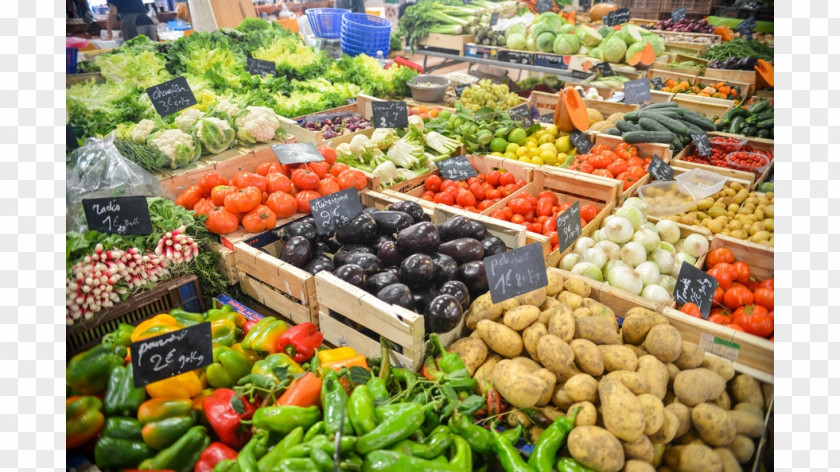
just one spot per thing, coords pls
(227, 263)
(658, 96)
(664, 64)
(742, 76)
(757, 143)
(669, 74)
(303, 135)
(450, 42)
(745, 87)
(548, 102)
(711, 108)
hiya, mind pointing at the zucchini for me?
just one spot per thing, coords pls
(613, 132)
(763, 133)
(675, 126)
(765, 123)
(625, 126)
(730, 115)
(694, 129)
(631, 116)
(767, 115)
(665, 137)
(749, 130)
(721, 126)
(735, 127)
(760, 106)
(651, 125)
(654, 106)
(701, 122)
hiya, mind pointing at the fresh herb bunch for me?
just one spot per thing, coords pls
(739, 47)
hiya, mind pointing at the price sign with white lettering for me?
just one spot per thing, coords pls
(547, 118)
(171, 354)
(118, 215)
(389, 114)
(657, 83)
(637, 91)
(701, 141)
(456, 168)
(494, 18)
(171, 96)
(678, 14)
(568, 227)
(522, 113)
(260, 67)
(297, 153)
(515, 272)
(581, 142)
(695, 286)
(544, 6)
(617, 17)
(333, 211)
(746, 28)
(660, 170)
(604, 69)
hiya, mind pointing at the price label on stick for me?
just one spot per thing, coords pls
(581, 142)
(456, 168)
(171, 354)
(678, 14)
(515, 272)
(701, 142)
(660, 170)
(617, 17)
(171, 96)
(260, 67)
(695, 286)
(333, 211)
(568, 227)
(637, 91)
(118, 215)
(459, 89)
(389, 114)
(657, 83)
(522, 113)
(297, 153)
(604, 69)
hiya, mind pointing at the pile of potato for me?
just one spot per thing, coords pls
(602, 124)
(734, 211)
(648, 400)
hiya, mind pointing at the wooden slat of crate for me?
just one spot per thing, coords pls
(303, 135)
(275, 300)
(711, 108)
(548, 101)
(745, 87)
(339, 334)
(665, 75)
(227, 263)
(743, 76)
(658, 96)
(453, 42)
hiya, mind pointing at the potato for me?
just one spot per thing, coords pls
(658, 452)
(638, 350)
(723, 401)
(632, 380)
(484, 374)
(587, 414)
(550, 412)
(549, 303)
(555, 281)
(561, 399)
(635, 465)
(655, 374)
(578, 287)
(529, 365)
(618, 358)
(693, 458)
(742, 448)
(581, 313)
(582, 387)
(664, 343)
(728, 460)
(519, 417)
(696, 386)
(640, 449)
(534, 433)
(519, 387)
(691, 356)
(570, 298)
(713, 424)
(596, 329)
(587, 356)
(746, 389)
(596, 448)
(672, 373)
(561, 322)
(599, 309)
(482, 308)
(637, 322)
(750, 408)
(534, 297)
(683, 415)
(720, 366)
(568, 373)
(554, 353)
(500, 338)
(550, 380)
(521, 317)
(622, 411)
(746, 423)
(471, 350)
(654, 412)
(667, 432)
(531, 335)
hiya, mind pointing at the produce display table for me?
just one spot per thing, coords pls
(451, 59)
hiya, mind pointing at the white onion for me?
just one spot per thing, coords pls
(611, 249)
(598, 235)
(594, 256)
(679, 258)
(668, 231)
(625, 279)
(633, 214)
(588, 270)
(668, 283)
(638, 203)
(633, 254)
(656, 293)
(696, 245)
(583, 244)
(612, 265)
(649, 272)
(569, 260)
(662, 258)
(647, 238)
(618, 230)
(668, 247)
(650, 226)
(679, 245)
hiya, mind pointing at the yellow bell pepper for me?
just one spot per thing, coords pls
(252, 356)
(337, 354)
(186, 385)
(155, 326)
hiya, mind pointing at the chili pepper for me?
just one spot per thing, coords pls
(462, 455)
(225, 419)
(405, 376)
(512, 435)
(314, 430)
(120, 336)
(88, 371)
(263, 336)
(186, 385)
(164, 420)
(337, 354)
(294, 464)
(569, 464)
(283, 419)
(430, 370)
(185, 318)
(431, 420)
(346, 444)
(227, 368)
(84, 420)
(334, 401)
(322, 460)
(226, 312)
(494, 402)
(247, 458)
(508, 455)
(226, 465)
(215, 453)
(300, 341)
(436, 444)
(121, 445)
(262, 374)
(383, 412)
(352, 463)
(154, 326)
(121, 396)
(480, 439)
(251, 355)
(183, 454)
(450, 362)
(378, 390)
(392, 461)
(278, 452)
(550, 441)
(395, 428)
(305, 391)
(360, 410)
(315, 363)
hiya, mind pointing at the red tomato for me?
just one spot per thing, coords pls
(599, 148)
(728, 268)
(453, 190)
(718, 297)
(716, 256)
(534, 228)
(319, 168)
(737, 297)
(445, 198)
(691, 309)
(428, 193)
(268, 168)
(763, 296)
(617, 166)
(603, 173)
(247, 179)
(520, 206)
(589, 212)
(203, 206)
(328, 153)
(719, 319)
(433, 183)
(501, 214)
(544, 207)
(552, 238)
(549, 225)
(352, 178)
(305, 179)
(767, 283)
(723, 278)
(210, 180)
(279, 183)
(518, 219)
(549, 195)
(477, 191)
(220, 192)
(465, 198)
(635, 161)
(303, 198)
(754, 319)
(493, 177)
(586, 167)
(189, 197)
(282, 204)
(328, 186)
(735, 327)
(338, 168)
(485, 204)
(743, 271)
(446, 183)
(507, 178)
(493, 194)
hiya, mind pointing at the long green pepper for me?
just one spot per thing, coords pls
(247, 458)
(508, 455)
(360, 410)
(278, 452)
(569, 464)
(401, 425)
(334, 401)
(550, 441)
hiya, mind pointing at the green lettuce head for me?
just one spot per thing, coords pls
(215, 134)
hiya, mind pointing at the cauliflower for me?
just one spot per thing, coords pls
(257, 124)
(142, 131)
(228, 107)
(383, 138)
(187, 119)
(180, 147)
(215, 134)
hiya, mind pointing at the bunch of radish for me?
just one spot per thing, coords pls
(177, 246)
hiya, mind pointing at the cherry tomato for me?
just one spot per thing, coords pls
(432, 183)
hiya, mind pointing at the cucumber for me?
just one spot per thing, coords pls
(613, 132)
(727, 117)
(677, 144)
(665, 137)
(625, 126)
(735, 127)
(675, 126)
(694, 129)
(760, 106)
(767, 115)
(669, 114)
(749, 130)
(700, 122)
(631, 116)
(654, 106)
(651, 125)
(765, 123)
(763, 133)
(721, 126)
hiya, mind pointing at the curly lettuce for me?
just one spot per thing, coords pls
(214, 56)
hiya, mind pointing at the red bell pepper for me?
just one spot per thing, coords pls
(248, 325)
(225, 420)
(214, 453)
(305, 392)
(300, 341)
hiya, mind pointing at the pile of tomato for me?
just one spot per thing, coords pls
(539, 213)
(273, 191)
(623, 163)
(721, 149)
(740, 302)
(475, 194)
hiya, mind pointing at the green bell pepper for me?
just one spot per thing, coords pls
(120, 336)
(392, 461)
(164, 420)
(226, 312)
(185, 318)
(223, 332)
(262, 374)
(183, 454)
(121, 446)
(283, 419)
(264, 335)
(88, 371)
(121, 396)
(395, 428)
(227, 368)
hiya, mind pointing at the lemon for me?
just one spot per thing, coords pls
(531, 144)
(517, 136)
(524, 159)
(522, 151)
(563, 144)
(509, 155)
(552, 130)
(496, 154)
(498, 145)
(548, 157)
(511, 147)
(539, 133)
(536, 160)
(546, 138)
(548, 147)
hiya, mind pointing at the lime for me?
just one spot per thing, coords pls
(563, 144)
(517, 136)
(511, 147)
(444, 114)
(498, 145)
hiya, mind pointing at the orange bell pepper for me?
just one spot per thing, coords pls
(186, 385)
(155, 326)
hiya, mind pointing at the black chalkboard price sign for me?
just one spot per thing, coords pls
(617, 17)
(581, 142)
(637, 91)
(695, 286)
(494, 18)
(260, 67)
(297, 153)
(171, 354)
(660, 170)
(746, 28)
(389, 114)
(604, 69)
(547, 118)
(72, 140)
(701, 142)
(332, 211)
(118, 215)
(171, 96)
(544, 6)
(459, 89)
(568, 227)
(522, 113)
(456, 168)
(351, 101)
(657, 83)
(515, 272)
(678, 14)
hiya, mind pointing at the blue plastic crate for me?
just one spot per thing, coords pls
(326, 22)
(191, 298)
(72, 60)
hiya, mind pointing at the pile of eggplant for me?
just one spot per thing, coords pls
(435, 270)
(733, 62)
